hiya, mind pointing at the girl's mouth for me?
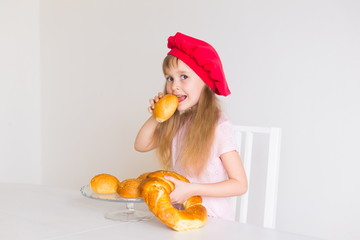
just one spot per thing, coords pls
(181, 98)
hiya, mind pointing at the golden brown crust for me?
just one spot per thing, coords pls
(143, 176)
(129, 188)
(104, 184)
(165, 107)
(163, 173)
(155, 191)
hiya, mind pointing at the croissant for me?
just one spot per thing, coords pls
(155, 190)
(165, 107)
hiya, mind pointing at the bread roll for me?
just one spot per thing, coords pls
(129, 188)
(165, 107)
(155, 190)
(104, 184)
(143, 176)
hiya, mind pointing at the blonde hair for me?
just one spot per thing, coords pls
(199, 124)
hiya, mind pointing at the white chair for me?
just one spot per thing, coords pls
(245, 136)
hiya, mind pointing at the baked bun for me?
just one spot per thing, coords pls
(155, 190)
(165, 107)
(143, 176)
(104, 184)
(129, 188)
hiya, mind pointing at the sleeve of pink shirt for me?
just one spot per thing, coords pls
(225, 138)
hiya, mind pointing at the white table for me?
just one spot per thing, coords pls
(43, 212)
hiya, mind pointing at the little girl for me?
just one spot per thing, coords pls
(198, 140)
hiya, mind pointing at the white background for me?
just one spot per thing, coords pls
(76, 76)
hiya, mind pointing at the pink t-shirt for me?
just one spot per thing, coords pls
(224, 142)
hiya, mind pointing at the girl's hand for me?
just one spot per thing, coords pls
(182, 192)
(152, 101)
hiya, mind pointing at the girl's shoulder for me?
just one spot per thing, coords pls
(223, 120)
(225, 140)
(224, 124)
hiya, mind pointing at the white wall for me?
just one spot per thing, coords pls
(96, 79)
(295, 64)
(20, 145)
(292, 64)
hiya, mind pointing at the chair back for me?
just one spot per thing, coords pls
(245, 136)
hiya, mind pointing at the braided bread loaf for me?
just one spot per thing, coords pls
(155, 190)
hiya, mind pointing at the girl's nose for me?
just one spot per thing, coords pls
(175, 85)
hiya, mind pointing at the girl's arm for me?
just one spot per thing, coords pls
(144, 141)
(236, 184)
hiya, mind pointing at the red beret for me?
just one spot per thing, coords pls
(202, 58)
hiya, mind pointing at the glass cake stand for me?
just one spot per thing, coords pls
(126, 215)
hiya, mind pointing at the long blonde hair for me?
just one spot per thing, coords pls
(200, 122)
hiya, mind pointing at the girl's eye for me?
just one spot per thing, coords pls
(169, 79)
(184, 77)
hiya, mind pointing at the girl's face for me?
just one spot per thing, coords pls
(183, 82)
